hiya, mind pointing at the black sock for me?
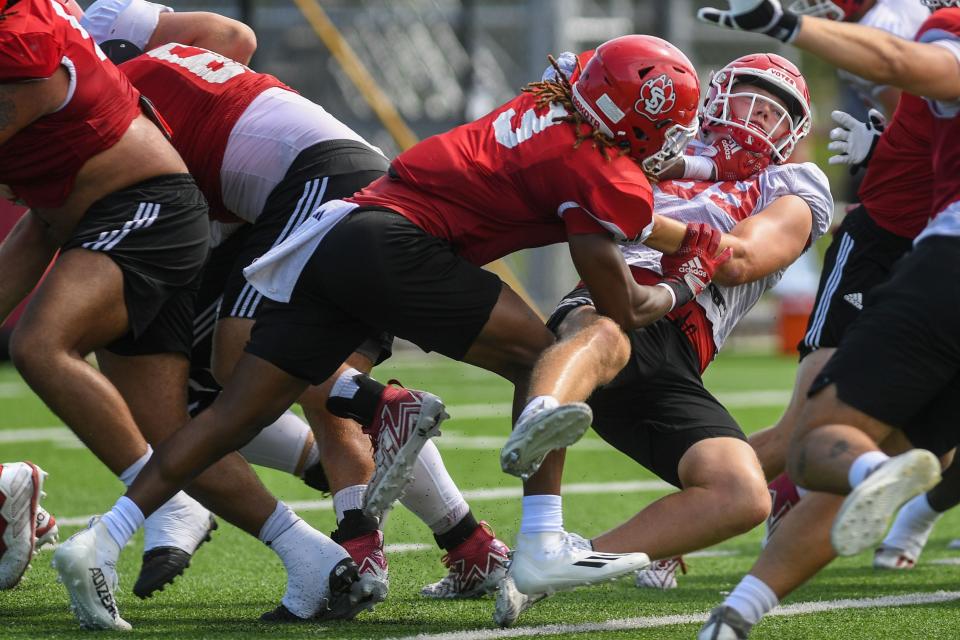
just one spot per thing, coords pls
(362, 405)
(353, 525)
(460, 532)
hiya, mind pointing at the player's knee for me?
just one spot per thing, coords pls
(30, 351)
(746, 499)
(609, 339)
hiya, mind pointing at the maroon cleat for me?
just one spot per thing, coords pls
(477, 565)
(403, 422)
(783, 495)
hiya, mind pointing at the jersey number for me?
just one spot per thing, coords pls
(204, 64)
(530, 125)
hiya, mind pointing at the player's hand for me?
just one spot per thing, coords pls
(688, 271)
(761, 16)
(853, 141)
(567, 61)
(733, 162)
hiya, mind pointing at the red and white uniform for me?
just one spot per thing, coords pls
(943, 29)
(715, 312)
(41, 162)
(238, 131)
(512, 180)
(902, 18)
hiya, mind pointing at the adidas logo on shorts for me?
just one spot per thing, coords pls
(856, 299)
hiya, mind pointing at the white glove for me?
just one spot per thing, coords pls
(567, 61)
(854, 141)
(761, 16)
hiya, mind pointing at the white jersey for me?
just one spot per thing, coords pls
(722, 205)
(902, 18)
(130, 20)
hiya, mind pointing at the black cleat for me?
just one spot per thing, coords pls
(162, 565)
(351, 593)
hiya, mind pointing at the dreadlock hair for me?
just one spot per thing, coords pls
(560, 91)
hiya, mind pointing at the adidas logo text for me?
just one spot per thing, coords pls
(103, 591)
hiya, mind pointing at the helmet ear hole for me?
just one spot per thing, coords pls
(639, 134)
(644, 71)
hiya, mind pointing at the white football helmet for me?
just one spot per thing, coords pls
(777, 76)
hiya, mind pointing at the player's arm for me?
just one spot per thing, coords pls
(24, 256)
(922, 69)
(766, 242)
(615, 293)
(219, 34)
(23, 102)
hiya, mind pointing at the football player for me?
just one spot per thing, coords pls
(259, 199)
(646, 396)
(404, 256)
(858, 400)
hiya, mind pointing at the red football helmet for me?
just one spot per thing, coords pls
(776, 129)
(830, 9)
(642, 92)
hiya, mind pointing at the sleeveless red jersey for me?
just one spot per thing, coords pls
(513, 180)
(897, 188)
(201, 95)
(41, 162)
(944, 24)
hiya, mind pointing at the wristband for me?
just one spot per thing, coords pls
(679, 291)
(698, 168)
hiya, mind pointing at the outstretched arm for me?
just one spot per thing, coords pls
(219, 34)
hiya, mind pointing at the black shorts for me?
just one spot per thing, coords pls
(859, 258)
(657, 407)
(375, 272)
(900, 362)
(157, 232)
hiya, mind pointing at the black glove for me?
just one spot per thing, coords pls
(761, 16)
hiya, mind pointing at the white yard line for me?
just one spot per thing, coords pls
(493, 493)
(626, 624)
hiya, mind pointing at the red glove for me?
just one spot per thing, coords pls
(688, 272)
(733, 162)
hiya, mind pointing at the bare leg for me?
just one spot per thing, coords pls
(772, 443)
(79, 308)
(722, 483)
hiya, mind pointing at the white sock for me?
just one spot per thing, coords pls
(309, 557)
(130, 473)
(347, 499)
(752, 599)
(279, 521)
(864, 465)
(345, 386)
(541, 514)
(279, 446)
(538, 404)
(123, 520)
(432, 494)
(913, 525)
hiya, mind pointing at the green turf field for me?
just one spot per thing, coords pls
(234, 578)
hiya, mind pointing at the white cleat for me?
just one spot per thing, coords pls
(48, 533)
(21, 484)
(540, 433)
(86, 565)
(510, 603)
(544, 563)
(866, 513)
(725, 623)
(893, 558)
(661, 574)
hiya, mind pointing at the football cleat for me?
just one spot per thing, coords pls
(725, 623)
(661, 574)
(21, 485)
(171, 535)
(349, 594)
(893, 558)
(47, 530)
(539, 433)
(865, 514)
(87, 566)
(367, 551)
(404, 420)
(557, 561)
(783, 497)
(510, 603)
(477, 565)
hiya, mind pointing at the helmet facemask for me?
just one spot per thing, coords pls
(817, 8)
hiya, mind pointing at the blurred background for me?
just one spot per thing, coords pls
(440, 63)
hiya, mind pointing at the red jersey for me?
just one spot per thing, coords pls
(897, 188)
(513, 180)
(201, 95)
(944, 24)
(41, 162)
